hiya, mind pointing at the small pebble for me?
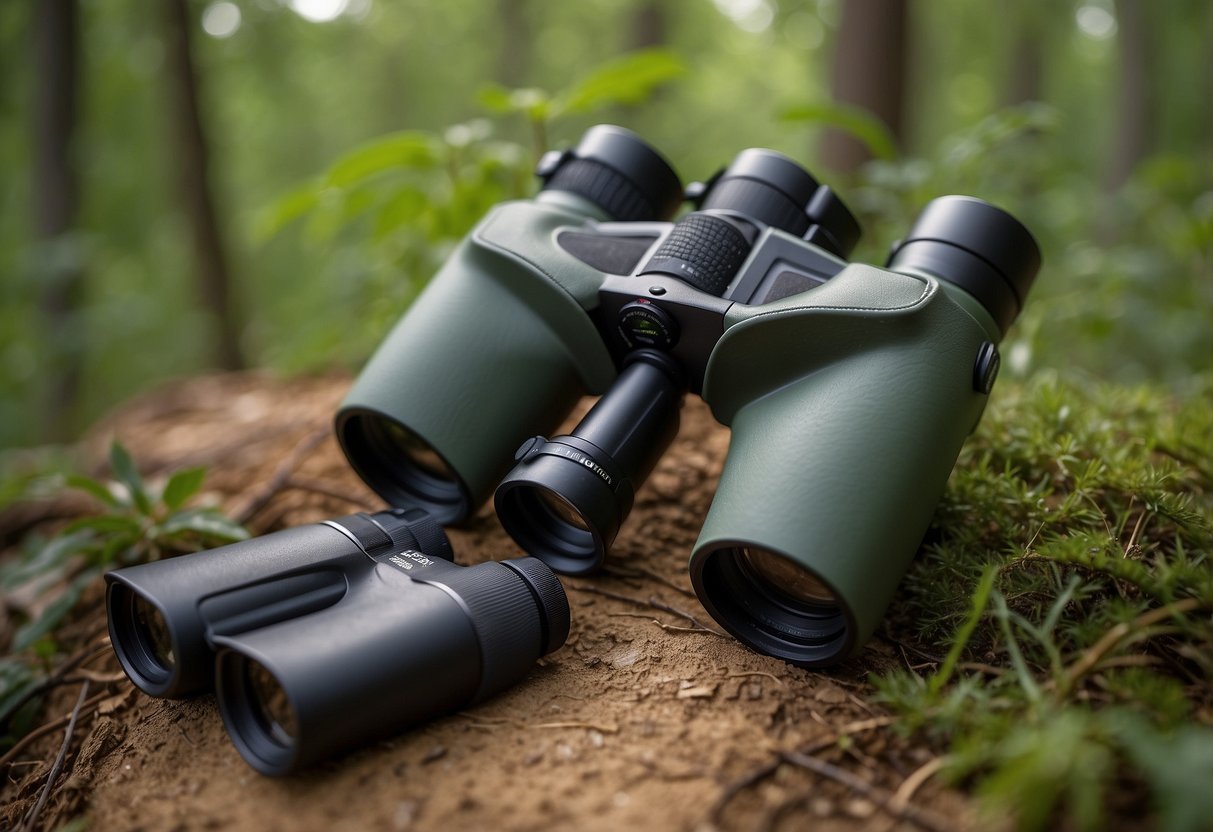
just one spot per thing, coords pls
(860, 808)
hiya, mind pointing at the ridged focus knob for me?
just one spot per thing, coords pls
(704, 250)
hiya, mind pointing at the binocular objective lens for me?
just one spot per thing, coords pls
(413, 448)
(785, 578)
(561, 509)
(153, 633)
(269, 703)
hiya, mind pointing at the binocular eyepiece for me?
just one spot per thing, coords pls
(980, 248)
(321, 638)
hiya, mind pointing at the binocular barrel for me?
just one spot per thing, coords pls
(162, 614)
(832, 478)
(419, 437)
(322, 638)
(566, 499)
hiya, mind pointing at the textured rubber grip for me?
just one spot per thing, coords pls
(369, 534)
(703, 250)
(549, 597)
(507, 623)
(422, 533)
(604, 186)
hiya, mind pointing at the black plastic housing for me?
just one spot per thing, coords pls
(596, 469)
(362, 632)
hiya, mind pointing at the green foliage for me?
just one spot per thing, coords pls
(141, 521)
(394, 207)
(1069, 576)
(859, 123)
(630, 79)
(1126, 287)
(18, 710)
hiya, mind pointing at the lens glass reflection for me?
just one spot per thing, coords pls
(416, 450)
(270, 705)
(561, 509)
(153, 632)
(786, 577)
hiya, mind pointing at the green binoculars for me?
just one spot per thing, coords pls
(849, 389)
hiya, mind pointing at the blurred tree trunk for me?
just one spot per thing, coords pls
(193, 169)
(1134, 118)
(517, 41)
(1025, 80)
(649, 27)
(56, 194)
(869, 72)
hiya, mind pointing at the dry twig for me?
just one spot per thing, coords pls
(632, 570)
(921, 817)
(1113, 637)
(326, 490)
(60, 675)
(651, 603)
(760, 773)
(32, 817)
(43, 730)
(286, 468)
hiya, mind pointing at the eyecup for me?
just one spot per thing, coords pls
(549, 596)
(617, 171)
(977, 246)
(778, 192)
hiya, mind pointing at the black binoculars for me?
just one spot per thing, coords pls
(321, 638)
(849, 389)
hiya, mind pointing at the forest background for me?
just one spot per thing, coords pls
(267, 183)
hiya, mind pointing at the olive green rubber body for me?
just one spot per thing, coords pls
(848, 406)
(508, 310)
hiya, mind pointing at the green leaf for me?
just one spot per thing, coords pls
(1178, 766)
(127, 474)
(405, 150)
(95, 488)
(47, 559)
(17, 679)
(857, 122)
(629, 79)
(183, 485)
(285, 210)
(207, 522)
(532, 102)
(108, 525)
(981, 597)
(54, 613)
(496, 98)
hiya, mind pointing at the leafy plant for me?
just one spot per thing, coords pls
(388, 213)
(629, 79)
(141, 522)
(1069, 578)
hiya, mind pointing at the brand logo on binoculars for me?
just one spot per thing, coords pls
(581, 458)
(409, 558)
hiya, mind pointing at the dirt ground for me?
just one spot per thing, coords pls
(648, 718)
